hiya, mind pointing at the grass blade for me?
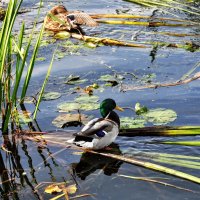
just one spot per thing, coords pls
(43, 86)
(155, 181)
(152, 166)
(161, 131)
(185, 143)
(31, 65)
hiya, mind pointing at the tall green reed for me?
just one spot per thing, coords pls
(16, 64)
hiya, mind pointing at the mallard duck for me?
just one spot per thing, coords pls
(60, 19)
(100, 132)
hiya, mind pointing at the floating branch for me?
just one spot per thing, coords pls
(161, 131)
(150, 24)
(155, 86)
(173, 34)
(105, 41)
(97, 16)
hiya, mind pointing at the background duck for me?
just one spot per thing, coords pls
(60, 19)
(100, 132)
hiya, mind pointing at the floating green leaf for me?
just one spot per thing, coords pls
(86, 99)
(107, 77)
(24, 118)
(90, 45)
(75, 80)
(41, 59)
(185, 143)
(160, 116)
(129, 122)
(89, 106)
(72, 77)
(62, 35)
(51, 96)
(71, 106)
(68, 106)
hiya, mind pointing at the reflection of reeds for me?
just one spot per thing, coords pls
(12, 172)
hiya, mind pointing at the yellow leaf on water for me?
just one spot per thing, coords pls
(77, 153)
(71, 189)
(52, 189)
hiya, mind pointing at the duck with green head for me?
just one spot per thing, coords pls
(100, 132)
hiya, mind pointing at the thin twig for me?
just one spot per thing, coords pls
(155, 86)
(156, 181)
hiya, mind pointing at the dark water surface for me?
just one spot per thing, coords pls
(99, 175)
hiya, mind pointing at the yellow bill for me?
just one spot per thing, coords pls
(119, 108)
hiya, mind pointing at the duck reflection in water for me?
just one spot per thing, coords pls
(89, 163)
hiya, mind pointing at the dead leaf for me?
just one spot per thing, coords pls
(50, 189)
(71, 189)
(89, 90)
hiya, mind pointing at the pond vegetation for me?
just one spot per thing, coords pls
(158, 140)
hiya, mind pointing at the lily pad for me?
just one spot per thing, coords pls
(68, 106)
(129, 122)
(24, 117)
(87, 99)
(76, 82)
(89, 106)
(160, 116)
(41, 59)
(62, 35)
(70, 120)
(107, 78)
(51, 96)
(71, 106)
(28, 100)
(90, 45)
(72, 77)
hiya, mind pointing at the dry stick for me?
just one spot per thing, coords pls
(81, 195)
(9, 180)
(105, 41)
(180, 82)
(159, 182)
